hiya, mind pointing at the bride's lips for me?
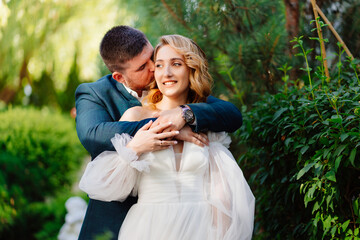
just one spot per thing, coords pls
(169, 82)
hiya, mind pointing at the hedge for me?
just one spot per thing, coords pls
(302, 148)
(39, 156)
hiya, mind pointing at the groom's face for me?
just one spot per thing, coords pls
(139, 71)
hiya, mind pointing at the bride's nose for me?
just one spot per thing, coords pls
(168, 71)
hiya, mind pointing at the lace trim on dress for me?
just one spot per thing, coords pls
(219, 137)
(119, 142)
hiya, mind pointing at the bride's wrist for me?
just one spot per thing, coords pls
(133, 148)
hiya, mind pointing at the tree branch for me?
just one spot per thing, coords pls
(173, 14)
(322, 45)
(334, 32)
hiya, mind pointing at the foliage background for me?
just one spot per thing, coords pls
(48, 47)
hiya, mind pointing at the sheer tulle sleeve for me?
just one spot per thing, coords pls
(112, 175)
(230, 196)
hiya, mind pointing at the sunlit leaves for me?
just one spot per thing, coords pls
(44, 36)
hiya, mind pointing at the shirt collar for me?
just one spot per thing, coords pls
(135, 94)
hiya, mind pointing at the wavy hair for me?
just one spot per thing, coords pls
(195, 58)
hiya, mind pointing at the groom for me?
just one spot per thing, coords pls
(99, 105)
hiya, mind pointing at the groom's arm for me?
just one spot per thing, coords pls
(216, 115)
(95, 126)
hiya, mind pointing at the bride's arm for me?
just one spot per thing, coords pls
(132, 114)
(138, 113)
(111, 176)
(146, 139)
(232, 201)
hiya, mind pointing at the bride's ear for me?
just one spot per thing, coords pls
(118, 77)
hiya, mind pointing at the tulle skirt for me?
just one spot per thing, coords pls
(168, 221)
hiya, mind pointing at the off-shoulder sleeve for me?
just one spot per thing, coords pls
(112, 175)
(229, 194)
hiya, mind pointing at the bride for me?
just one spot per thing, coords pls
(186, 191)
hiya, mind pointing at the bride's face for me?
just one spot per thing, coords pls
(171, 73)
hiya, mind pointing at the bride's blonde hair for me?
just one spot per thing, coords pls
(195, 58)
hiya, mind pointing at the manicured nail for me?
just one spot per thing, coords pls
(175, 142)
(170, 123)
(177, 132)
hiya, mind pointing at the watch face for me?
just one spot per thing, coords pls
(189, 116)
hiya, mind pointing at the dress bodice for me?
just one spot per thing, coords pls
(206, 197)
(163, 183)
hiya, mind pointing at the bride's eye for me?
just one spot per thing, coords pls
(158, 65)
(177, 64)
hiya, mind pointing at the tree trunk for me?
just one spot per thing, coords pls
(292, 14)
(292, 21)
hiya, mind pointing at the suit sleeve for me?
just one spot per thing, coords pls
(216, 115)
(94, 125)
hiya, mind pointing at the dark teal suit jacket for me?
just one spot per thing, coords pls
(99, 106)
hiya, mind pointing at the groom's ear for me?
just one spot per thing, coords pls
(118, 77)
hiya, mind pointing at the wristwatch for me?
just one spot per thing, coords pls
(187, 114)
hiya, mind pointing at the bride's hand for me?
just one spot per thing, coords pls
(172, 115)
(154, 139)
(186, 134)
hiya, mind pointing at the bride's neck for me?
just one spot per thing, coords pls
(170, 103)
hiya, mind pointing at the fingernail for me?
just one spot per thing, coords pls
(177, 132)
(175, 142)
(170, 122)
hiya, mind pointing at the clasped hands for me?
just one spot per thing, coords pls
(164, 132)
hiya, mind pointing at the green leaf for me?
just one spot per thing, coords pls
(337, 162)
(315, 207)
(336, 119)
(311, 191)
(326, 152)
(356, 207)
(352, 156)
(339, 150)
(306, 69)
(345, 225)
(333, 230)
(304, 170)
(331, 176)
(343, 136)
(327, 222)
(287, 141)
(313, 38)
(317, 218)
(304, 149)
(309, 51)
(278, 113)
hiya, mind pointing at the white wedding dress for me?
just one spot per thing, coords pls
(207, 198)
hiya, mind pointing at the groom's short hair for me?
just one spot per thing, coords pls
(121, 44)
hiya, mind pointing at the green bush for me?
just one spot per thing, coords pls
(39, 155)
(303, 153)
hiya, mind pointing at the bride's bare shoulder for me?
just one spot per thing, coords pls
(137, 113)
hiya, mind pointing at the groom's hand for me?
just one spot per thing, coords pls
(178, 123)
(174, 116)
(154, 139)
(186, 134)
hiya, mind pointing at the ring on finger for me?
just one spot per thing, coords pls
(161, 142)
